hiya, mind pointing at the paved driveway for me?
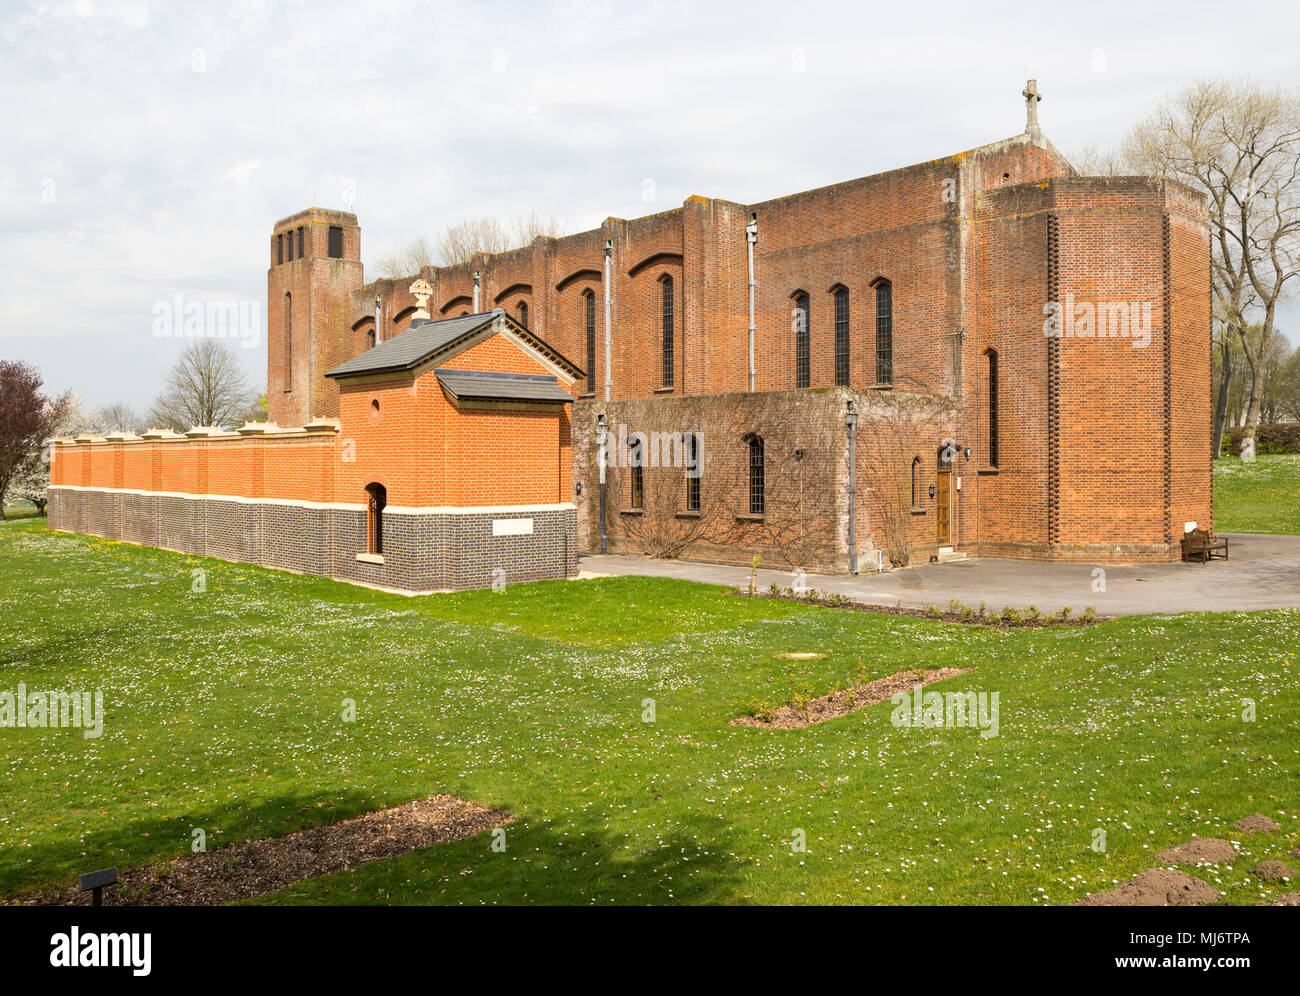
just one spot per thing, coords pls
(1263, 573)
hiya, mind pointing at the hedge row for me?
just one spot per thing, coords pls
(1283, 437)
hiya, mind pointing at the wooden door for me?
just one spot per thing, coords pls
(943, 506)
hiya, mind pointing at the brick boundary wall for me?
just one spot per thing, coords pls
(424, 550)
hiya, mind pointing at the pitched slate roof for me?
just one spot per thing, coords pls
(410, 348)
(421, 342)
(482, 385)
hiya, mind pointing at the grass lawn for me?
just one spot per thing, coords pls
(1257, 497)
(224, 711)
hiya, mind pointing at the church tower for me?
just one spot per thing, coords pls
(315, 267)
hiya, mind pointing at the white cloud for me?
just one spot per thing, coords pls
(167, 180)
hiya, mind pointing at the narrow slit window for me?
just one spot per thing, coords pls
(589, 320)
(884, 333)
(636, 475)
(376, 499)
(336, 242)
(757, 477)
(288, 342)
(993, 408)
(666, 327)
(802, 340)
(842, 338)
(692, 448)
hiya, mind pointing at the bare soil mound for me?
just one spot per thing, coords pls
(1199, 851)
(841, 703)
(1273, 871)
(1286, 899)
(1259, 823)
(1157, 887)
(256, 867)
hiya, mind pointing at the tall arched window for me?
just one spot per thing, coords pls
(992, 388)
(693, 469)
(636, 472)
(916, 482)
(666, 327)
(842, 337)
(523, 313)
(376, 499)
(370, 338)
(757, 477)
(288, 342)
(589, 324)
(802, 339)
(884, 333)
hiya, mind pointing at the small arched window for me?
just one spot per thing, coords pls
(523, 313)
(636, 472)
(666, 313)
(370, 338)
(288, 342)
(802, 316)
(992, 389)
(376, 499)
(691, 446)
(916, 482)
(589, 327)
(757, 477)
(842, 337)
(884, 332)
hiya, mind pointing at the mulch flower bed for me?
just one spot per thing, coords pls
(964, 615)
(840, 703)
(256, 867)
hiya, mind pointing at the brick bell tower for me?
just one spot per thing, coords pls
(315, 266)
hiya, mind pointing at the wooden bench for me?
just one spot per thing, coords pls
(1202, 545)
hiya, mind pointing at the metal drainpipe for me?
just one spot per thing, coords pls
(851, 420)
(476, 292)
(751, 237)
(609, 383)
(601, 436)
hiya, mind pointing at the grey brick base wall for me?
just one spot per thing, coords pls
(426, 551)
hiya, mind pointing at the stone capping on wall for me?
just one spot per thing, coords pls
(316, 427)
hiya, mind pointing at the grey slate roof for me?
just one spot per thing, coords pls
(479, 384)
(412, 347)
(419, 343)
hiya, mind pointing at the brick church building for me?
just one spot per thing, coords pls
(983, 354)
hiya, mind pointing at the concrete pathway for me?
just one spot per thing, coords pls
(1263, 573)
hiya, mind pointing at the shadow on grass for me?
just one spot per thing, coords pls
(50, 866)
(544, 865)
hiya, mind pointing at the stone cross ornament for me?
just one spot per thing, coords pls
(421, 290)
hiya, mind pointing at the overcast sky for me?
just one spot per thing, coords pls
(148, 148)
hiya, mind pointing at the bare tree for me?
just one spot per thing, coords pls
(205, 387)
(408, 260)
(1239, 143)
(460, 240)
(1092, 160)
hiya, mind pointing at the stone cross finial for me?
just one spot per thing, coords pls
(1032, 97)
(421, 290)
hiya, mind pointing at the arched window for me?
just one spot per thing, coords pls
(992, 388)
(636, 472)
(692, 451)
(370, 338)
(884, 333)
(916, 482)
(757, 477)
(376, 499)
(802, 338)
(842, 338)
(589, 324)
(523, 313)
(666, 327)
(288, 342)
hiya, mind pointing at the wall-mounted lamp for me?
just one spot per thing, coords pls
(931, 490)
(968, 452)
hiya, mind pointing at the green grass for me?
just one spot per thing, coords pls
(224, 712)
(1260, 496)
